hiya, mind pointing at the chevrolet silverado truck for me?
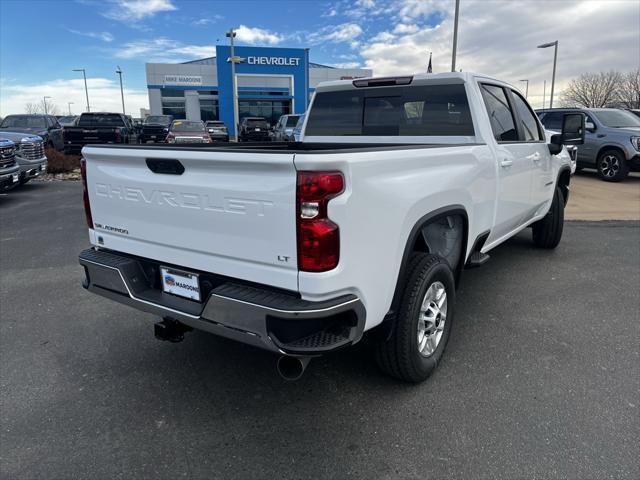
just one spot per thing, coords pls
(9, 169)
(98, 128)
(365, 225)
(29, 153)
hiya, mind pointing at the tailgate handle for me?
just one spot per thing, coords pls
(165, 165)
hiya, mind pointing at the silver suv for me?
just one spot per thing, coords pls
(612, 140)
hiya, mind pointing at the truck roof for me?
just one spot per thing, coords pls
(415, 79)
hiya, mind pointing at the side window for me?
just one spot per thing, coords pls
(527, 118)
(500, 115)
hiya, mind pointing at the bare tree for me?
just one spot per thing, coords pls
(32, 108)
(44, 105)
(593, 90)
(629, 90)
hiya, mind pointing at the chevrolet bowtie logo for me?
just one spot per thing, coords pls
(236, 59)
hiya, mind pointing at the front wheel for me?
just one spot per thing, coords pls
(547, 231)
(423, 323)
(612, 166)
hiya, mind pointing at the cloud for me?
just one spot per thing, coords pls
(502, 42)
(207, 21)
(346, 65)
(253, 35)
(345, 32)
(163, 49)
(406, 28)
(104, 36)
(136, 10)
(366, 3)
(104, 95)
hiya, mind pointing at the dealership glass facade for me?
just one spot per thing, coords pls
(270, 82)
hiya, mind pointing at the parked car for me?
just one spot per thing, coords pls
(398, 185)
(253, 129)
(283, 131)
(188, 131)
(155, 129)
(612, 140)
(297, 131)
(67, 121)
(217, 131)
(97, 127)
(45, 126)
(29, 153)
(9, 169)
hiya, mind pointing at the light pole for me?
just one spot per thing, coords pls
(544, 93)
(231, 35)
(44, 102)
(526, 93)
(69, 105)
(86, 90)
(555, 59)
(455, 36)
(119, 72)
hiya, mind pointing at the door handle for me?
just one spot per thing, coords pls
(506, 163)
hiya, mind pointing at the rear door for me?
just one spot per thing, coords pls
(514, 163)
(534, 149)
(226, 212)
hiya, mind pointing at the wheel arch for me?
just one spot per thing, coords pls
(564, 178)
(610, 146)
(416, 242)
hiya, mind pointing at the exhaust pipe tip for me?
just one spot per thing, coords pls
(292, 368)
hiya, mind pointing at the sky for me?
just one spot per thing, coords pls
(496, 37)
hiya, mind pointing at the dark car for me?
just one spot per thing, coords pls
(155, 129)
(254, 129)
(217, 131)
(45, 126)
(187, 131)
(92, 128)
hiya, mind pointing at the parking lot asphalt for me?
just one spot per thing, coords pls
(541, 378)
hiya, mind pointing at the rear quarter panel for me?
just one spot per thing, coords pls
(386, 193)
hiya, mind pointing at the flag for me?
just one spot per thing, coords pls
(429, 68)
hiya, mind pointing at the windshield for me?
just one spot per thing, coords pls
(292, 120)
(158, 119)
(100, 120)
(185, 126)
(300, 122)
(23, 122)
(66, 119)
(617, 118)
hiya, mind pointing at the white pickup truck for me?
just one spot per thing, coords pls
(366, 224)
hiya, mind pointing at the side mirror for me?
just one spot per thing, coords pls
(572, 133)
(590, 126)
(573, 129)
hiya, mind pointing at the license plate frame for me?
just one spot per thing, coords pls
(180, 283)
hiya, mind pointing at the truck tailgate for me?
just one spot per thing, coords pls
(229, 213)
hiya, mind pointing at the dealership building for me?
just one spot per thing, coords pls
(271, 82)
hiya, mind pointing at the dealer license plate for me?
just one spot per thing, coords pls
(183, 284)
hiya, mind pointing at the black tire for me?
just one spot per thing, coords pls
(400, 356)
(612, 166)
(547, 231)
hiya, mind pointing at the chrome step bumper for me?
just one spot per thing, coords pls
(277, 321)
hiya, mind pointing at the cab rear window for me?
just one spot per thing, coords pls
(100, 120)
(429, 110)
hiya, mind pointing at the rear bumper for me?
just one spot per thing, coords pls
(273, 320)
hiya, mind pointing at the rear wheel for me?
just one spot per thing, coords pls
(547, 231)
(612, 166)
(423, 323)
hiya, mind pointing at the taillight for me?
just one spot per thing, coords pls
(85, 193)
(171, 138)
(318, 236)
(118, 135)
